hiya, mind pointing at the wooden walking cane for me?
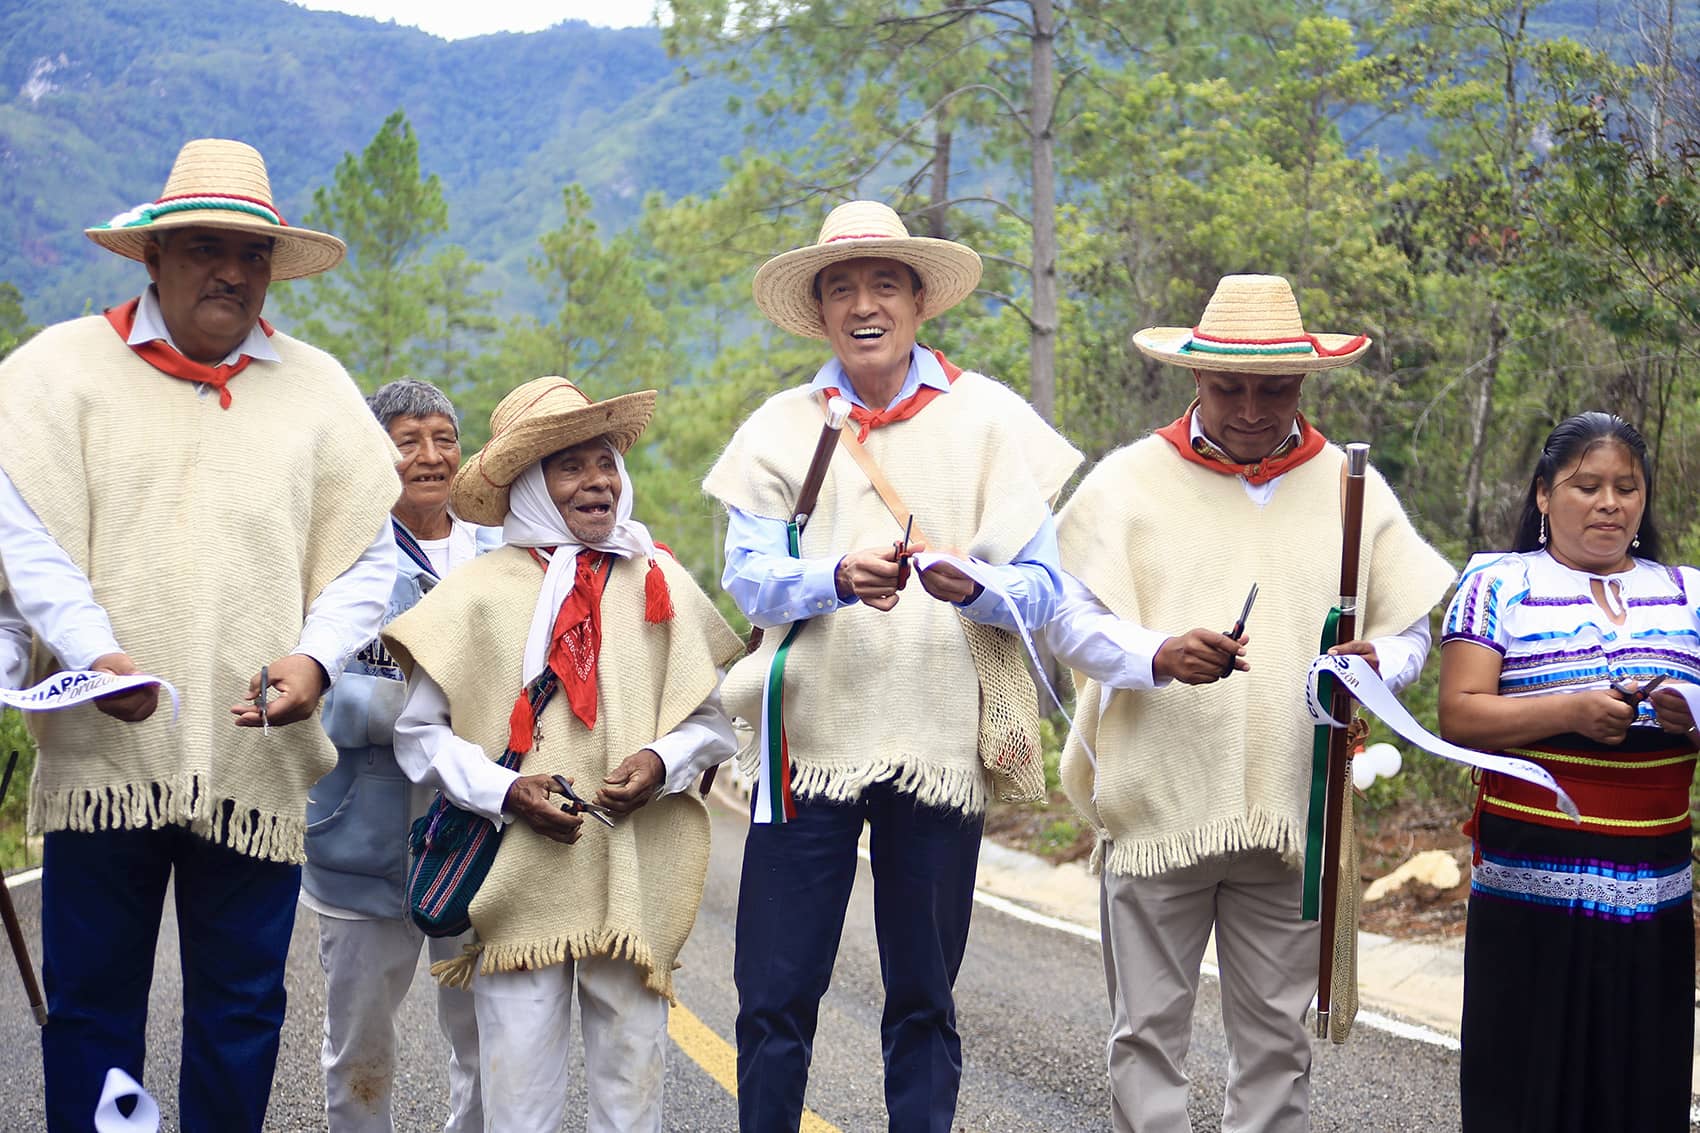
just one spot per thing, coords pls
(837, 412)
(15, 931)
(1337, 810)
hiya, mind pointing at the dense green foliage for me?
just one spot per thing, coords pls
(1503, 194)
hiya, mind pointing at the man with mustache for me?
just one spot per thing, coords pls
(186, 492)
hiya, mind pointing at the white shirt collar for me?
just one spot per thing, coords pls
(924, 370)
(150, 327)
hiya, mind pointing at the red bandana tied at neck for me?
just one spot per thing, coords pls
(575, 640)
(574, 643)
(1179, 435)
(869, 420)
(167, 359)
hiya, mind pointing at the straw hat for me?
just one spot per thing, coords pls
(784, 286)
(1251, 326)
(216, 183)
(543, 416)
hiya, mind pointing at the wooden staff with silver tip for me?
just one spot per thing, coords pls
(837, 413)
(1336, 814)
(15, 930)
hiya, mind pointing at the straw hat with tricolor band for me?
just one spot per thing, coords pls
(217, 183)
(1251, 326)
(784, 285)
(543, 416)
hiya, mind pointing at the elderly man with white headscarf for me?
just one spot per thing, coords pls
(580, 591)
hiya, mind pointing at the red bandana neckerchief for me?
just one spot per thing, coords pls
(574, 645)
(869, 420)
(1309, 443)
(165, 358)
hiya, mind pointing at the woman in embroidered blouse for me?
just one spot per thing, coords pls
(1579, 957)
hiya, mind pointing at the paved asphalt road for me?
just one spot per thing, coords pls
(1030, 1003)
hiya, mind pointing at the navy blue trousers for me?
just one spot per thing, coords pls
(791, 902)
(101, 898)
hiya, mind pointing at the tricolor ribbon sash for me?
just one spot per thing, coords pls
(79, 686)
(771, 801)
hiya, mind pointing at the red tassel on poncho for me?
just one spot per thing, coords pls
(521, 724)
(658, 600)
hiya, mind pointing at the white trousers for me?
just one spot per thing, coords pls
(525, 1029)
(1155, 930)
(369, 965)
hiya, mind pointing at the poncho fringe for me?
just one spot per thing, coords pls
(1258, 829)
(946, 787)
(149, 806)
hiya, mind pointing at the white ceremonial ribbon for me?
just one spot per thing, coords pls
(980, 571)
(1691, 695)
(1366, 687)
(79, 686)
(108, 1118)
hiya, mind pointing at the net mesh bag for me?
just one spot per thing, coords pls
(1009, 714)
(1344, 990)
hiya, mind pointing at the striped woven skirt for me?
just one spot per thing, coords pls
(1579, 953)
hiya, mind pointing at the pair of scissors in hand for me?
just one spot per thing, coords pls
(1635, 696)
(903, 551)
(576, 805)
(1239, 627)
(260, 699)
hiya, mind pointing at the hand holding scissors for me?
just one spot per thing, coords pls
(576, 805)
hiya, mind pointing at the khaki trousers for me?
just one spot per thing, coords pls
(1154, 931)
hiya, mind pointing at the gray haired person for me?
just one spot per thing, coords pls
(358, 815)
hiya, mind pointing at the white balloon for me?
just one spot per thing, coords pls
(1362, 774)
(1384, 758)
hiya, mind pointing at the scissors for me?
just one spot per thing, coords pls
(1636, 695)
(260, 699)
(1239, 627)
(577, 805)
(903, 551)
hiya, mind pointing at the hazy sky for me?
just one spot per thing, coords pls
(458, 19)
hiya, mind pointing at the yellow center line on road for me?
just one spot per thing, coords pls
(720, 1062)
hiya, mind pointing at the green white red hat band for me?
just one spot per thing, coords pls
(1201, 342)
(146, 214)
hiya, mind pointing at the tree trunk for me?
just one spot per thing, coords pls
(1042, 379)
(1481, 415)
(937, 210)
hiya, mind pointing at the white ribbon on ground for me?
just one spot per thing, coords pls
(1366, 687)
(979, 570)
(79, 686)
(108, 1118)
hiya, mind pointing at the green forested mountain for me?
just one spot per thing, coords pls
(95, 100)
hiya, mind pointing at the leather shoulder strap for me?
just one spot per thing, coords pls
(887, 492)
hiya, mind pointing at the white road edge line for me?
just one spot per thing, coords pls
(1395, 1027)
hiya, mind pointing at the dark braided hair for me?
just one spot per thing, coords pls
(1568, 444)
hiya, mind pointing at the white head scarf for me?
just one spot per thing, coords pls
(533, 520)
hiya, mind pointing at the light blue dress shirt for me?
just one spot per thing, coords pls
(774, 589)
